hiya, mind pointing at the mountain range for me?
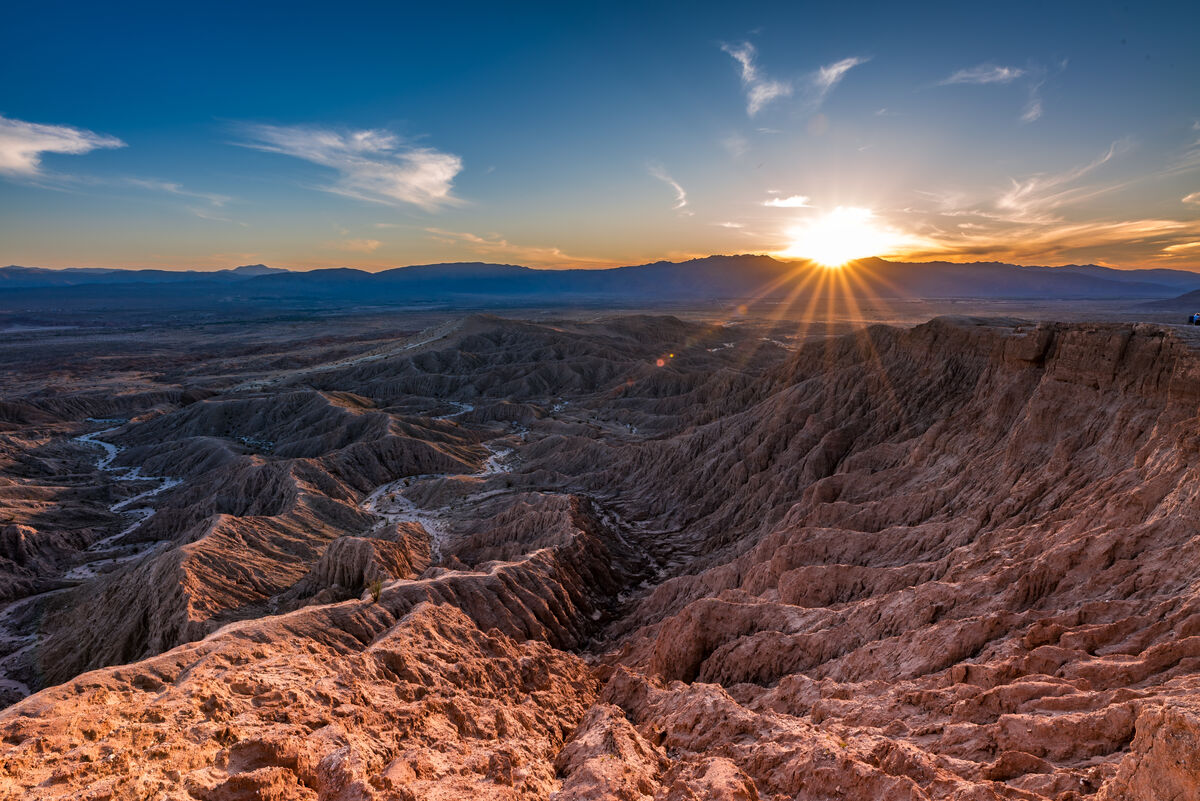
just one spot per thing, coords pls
(702, 279)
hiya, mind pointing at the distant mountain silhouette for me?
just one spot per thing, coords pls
(1187, 302)
(14, 277)
(256, 269)
(1181, 279)
(714, 278)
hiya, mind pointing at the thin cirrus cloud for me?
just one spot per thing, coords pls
(1033, 109)
(984, 74)
(1038, 219)
(736, 145)
(761, 90)
(1057, 241)
(371, 165)
(496, 245)
(1038, 197)
(172, 188)
(681, 198)
(357, 245)
(1193, 199)
(790, 202)
(22, 145)
(829, 76)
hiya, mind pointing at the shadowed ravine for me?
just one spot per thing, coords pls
(953, 561)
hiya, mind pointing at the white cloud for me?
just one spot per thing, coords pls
(206, 214)
(984, 73)
(1032, 110)
(681, 198)
(828, 76)
(173, 188)
(1044, 219)
(23, 143)
(790, 202)
(1035, 198)
(1193, 199)
(729, 224)
(992, 74)
(494, 244)
(372, 165)
(760, 90)
(357, 245)
(736, 145)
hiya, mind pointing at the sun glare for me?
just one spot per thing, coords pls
(844, 234)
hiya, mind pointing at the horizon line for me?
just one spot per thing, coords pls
(577, 268)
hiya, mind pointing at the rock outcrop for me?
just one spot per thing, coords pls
(955, 561)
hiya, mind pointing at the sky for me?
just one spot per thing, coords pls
(374, 135)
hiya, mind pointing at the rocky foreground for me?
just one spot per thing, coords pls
(636, 558)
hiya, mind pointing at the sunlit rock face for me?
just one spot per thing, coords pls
(522, 560)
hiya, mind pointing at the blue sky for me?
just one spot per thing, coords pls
(381, 134)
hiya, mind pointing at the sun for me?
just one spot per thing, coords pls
(842, 235)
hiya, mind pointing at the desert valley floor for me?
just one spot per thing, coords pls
(421, 555)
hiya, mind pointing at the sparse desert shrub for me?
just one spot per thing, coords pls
(376, 590)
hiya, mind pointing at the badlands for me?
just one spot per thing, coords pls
(601, 557)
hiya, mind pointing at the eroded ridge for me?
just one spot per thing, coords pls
(515, 560)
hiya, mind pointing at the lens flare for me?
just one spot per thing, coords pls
(842, 235)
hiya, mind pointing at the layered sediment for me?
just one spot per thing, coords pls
(635, 558)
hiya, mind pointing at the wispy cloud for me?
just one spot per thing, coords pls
(1036, 197)
(1044, 219)
(830, 75)
(356, 245)
(790, 202)
(226, 259)
(984, 73)
(22, 144)
(760, 90)
(681, 198)
(736, 145)
(496, 245)
(729, 224)
(1129, 241)
(1183, 249)
(207, 214)
(372, 165)
(172, 188)
(1033, 108)
(1192, 199)
(1188, 159)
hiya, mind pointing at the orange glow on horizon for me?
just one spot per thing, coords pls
(842, 235)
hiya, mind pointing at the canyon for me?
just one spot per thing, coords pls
(588, 555)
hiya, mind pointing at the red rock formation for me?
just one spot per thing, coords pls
(951, 562)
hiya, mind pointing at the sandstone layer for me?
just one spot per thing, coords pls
(633, 558)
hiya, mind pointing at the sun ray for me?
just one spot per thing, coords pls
(842, 235)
